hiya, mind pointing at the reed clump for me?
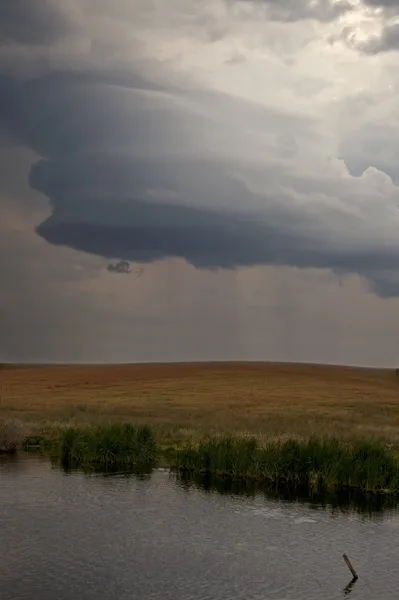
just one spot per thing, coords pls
(12, 435)
(117, 444)
(314, 463)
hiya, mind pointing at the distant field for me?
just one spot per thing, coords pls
(183, 400)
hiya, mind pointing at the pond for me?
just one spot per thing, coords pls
(73, 536)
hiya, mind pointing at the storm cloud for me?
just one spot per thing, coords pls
(124, 185)
(227, 134)
(33, 23)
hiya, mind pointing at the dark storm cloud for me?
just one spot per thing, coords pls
(211, 239)
(60, 113)
(32, 22)
(112, 196)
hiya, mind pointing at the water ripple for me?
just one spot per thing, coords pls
(97, 538)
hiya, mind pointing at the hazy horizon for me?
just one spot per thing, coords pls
(195, 362)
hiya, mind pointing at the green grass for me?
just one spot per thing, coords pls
(312, 463)
(117, 444)
(315, 463)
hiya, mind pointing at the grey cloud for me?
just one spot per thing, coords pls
(97, 133)
(388, 38)
(236, 59)
(387, 41)
(32, 22)
(130, 169)
(218, 239)
(110, 114)
(385, 285)
(205, 238)
(297, 10)
(387, 4)
(51, 99)
(379, 147)
(123, 267)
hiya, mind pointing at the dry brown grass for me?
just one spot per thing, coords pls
(12, 434)
(189, 399)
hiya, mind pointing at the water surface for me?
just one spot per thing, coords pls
(71, 536)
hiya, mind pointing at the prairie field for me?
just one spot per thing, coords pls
(189, 400)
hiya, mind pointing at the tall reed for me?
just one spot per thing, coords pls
(107, 445)
(314, 463)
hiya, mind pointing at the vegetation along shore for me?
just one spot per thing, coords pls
(309, 425)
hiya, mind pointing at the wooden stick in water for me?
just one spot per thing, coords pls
(349, 565)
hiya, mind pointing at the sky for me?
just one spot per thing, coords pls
(185, 180)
